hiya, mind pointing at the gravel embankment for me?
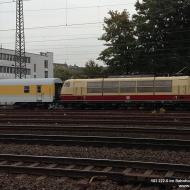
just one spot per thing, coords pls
(180, 157)
(27, 182)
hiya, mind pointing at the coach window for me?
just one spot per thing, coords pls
(128, 86)
(163, 86)
(145, 86)
(94, 87)
(111, 87)
(39, 89)
(26, 89)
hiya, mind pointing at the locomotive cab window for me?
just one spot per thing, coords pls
(39, 89)
(26, 89)
(67, 84)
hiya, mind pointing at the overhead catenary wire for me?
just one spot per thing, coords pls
(53, 26)
(70, 8)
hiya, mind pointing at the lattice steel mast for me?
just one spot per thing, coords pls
(20, 60)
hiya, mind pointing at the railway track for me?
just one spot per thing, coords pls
(107, 129)
(104, 121)
(97, 141)
(125, 171)
(92, 112)
(93, 117)
(95, 114)
(96, 117)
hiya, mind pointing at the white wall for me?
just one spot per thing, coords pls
(37, 59)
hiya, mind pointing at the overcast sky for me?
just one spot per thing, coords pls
(75, 43)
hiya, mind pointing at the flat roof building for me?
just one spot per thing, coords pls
(37, 65)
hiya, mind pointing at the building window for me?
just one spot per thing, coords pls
(46, 64)
(0, 56)
(28, 71)
(34, 67)
(34, 76)
(13, 70)
(26, 89)
(27, 59)
(4, 69)
(46, 74)
(4, 56)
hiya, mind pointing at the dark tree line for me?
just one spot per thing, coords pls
(155, 40)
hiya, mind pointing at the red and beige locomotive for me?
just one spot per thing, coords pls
(173, 89)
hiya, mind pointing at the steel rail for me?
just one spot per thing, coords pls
(102, 116)
(97, 141)
(96, 112)
(109, 129)
(115, 169)
(96, 121)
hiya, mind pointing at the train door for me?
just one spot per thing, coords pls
(78, 90)
(39, 97)
(183, 87)
(58, 87)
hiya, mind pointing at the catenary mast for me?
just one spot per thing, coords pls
(20, 60)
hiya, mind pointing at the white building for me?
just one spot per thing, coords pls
(38, 65)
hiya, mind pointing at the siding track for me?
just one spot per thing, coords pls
(108, 129)
(125, 171)
(97, 141)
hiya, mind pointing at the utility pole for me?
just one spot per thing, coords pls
(20, 60)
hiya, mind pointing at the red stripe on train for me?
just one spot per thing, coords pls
(117, 98)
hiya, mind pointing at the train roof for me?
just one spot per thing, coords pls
(132, 78)
(36, 81)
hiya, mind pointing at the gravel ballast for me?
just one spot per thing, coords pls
(179, 157)
(28, 182)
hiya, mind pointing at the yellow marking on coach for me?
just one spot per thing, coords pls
(19, 90)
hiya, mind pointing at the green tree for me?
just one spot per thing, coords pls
(62, 72)
(120, 41)
(162, 30)
(92, 69)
